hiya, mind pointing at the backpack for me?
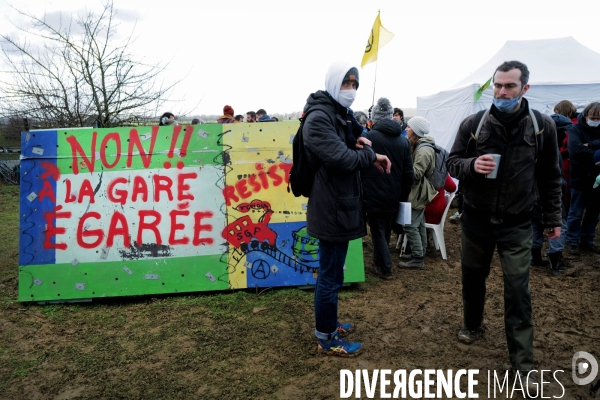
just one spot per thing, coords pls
(438, 176)
(536, 117)
(302, 174)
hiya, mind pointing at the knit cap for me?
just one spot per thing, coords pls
(419, 125)
(351, 76)
(382, 110)
(228, 110)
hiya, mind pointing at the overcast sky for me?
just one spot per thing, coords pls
(273, 54)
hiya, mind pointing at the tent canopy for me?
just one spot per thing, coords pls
(559, 69)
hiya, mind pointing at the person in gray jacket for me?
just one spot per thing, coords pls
(335, 216)
(421, 192)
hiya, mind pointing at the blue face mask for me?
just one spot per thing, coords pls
(506, 105)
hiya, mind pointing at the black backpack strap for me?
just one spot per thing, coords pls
(478, 122)
(426, 144)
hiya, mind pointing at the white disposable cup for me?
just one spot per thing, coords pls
(404, 214)
(494, 173)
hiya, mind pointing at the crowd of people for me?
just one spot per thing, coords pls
(521, 174)
(228, 117)
(522, 177)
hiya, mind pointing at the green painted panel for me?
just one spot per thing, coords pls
(122, 278)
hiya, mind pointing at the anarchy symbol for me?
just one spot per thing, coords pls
(260, 269)
(370, 42)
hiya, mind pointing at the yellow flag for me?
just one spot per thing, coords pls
(378, 38)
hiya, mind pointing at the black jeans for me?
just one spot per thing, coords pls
(381, 230)
(513, 239)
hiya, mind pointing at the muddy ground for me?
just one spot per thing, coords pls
(248, 344)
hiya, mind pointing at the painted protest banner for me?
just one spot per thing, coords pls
(170, 209)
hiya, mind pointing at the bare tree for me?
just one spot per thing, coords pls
(74, 74)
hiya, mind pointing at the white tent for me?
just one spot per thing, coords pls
(559, 69)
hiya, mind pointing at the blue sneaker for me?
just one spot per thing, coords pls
(339, 347)
(345, 329)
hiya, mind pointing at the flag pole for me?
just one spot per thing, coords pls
(374, 83)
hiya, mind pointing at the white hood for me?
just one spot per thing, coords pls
(335, 76)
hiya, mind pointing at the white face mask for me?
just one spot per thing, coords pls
(591, 123)
(346, 97)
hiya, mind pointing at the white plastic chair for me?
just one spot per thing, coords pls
(437, 229)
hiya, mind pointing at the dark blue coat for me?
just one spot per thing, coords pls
(383, 192)
(583, 169)
(334, 207)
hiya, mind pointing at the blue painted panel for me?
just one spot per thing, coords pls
(38, 153)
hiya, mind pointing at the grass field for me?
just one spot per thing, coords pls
(251, 344)
(197, 346)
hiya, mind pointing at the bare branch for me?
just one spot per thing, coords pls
(62, 76)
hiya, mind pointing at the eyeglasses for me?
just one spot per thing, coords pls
(508, 86)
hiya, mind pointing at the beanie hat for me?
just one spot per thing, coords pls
(382, 110)
(351, 75)
(228, 110)
(419, 125)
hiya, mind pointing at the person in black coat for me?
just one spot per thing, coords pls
(334, 214)
(382, 192)
(584, 212)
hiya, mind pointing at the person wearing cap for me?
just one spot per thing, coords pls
(497, 212)
(584, 141)
(335, 149)
(227, 117)
(382, 192)
(421, 192)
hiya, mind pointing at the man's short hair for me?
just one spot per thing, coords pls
(399, 112)
(261, 111)
(361, 117)
(592, 110)
(239, 117)
(510, 65)
(195, 121)
(251, 113)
